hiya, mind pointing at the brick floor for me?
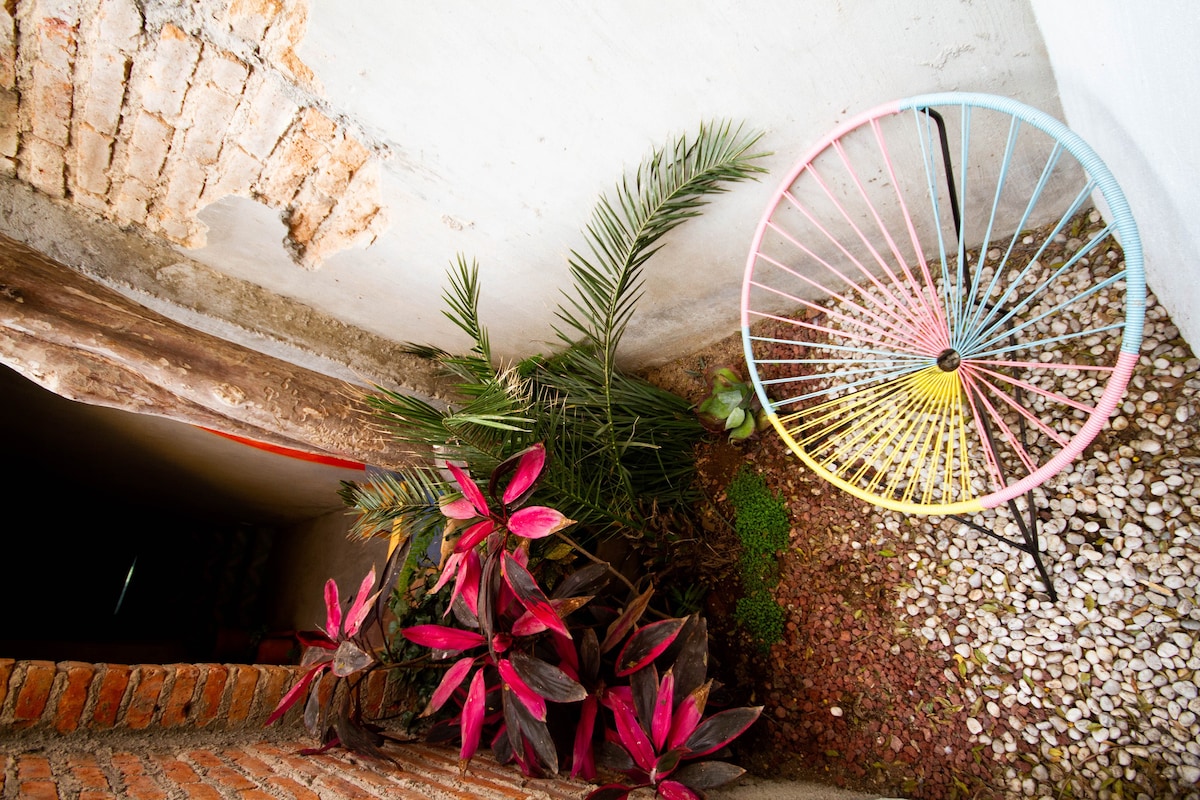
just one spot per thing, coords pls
(195, 731)
(161, 767)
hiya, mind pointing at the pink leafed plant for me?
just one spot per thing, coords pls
(553, 670)
(564, 697)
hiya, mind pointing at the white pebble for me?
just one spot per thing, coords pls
(1188, 773)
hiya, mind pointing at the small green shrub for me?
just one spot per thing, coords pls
(761, 523)
(731, 405)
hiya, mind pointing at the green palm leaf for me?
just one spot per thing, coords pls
(618, 445)
(668, 189)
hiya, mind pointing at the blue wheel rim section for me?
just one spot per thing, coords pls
(1114, 198)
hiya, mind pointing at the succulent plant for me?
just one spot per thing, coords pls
(731, 405)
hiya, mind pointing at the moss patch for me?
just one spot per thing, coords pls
(761, 523)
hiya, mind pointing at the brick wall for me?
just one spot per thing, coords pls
(71, 696)
(150, 731)
(145, 113)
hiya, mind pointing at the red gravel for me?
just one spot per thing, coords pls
(902, 729)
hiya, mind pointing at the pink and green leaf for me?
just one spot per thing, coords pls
(528, 737)
(462, 508)
(466, 584)
(688, 715)
(647, 644)
(708, 774)
(667, 763)
(568, 656)
(441, 637)
(691, 663)
(674, 790)
(546, 679)
(333, 610)
(527, 624)
(449, 570)
(583, 760)
(537, 522)
(720, 729)
(531, 596)
(660, 724)
(529, 467)
(292, 695)
(361, 605)
(472, 717)
(474, 535)
(643, 686)
(534, 702)
(623, 624)
(612, 755)
(470, 490)
(630, 733)
(449, 684)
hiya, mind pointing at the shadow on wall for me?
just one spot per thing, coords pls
(308, 555)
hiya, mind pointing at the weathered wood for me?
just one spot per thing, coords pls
(88, 343)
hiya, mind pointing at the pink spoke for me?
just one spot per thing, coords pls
(1029, 387)
(1024, 412)
(840, 297)
(916, 298)
(861, 268)
(1039, 365)
(922, 332)
(807, 325)
(934, 303)
(991, 460)
(894, 338)
(1013, 440)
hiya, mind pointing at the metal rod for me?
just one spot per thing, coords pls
(948, 166)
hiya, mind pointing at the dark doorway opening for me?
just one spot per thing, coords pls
(134, 539)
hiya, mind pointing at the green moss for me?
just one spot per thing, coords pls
(762, 617)
(761, 523)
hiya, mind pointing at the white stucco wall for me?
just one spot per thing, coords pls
(505, 122)
(1128, 78)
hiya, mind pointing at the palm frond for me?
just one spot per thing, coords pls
(483, 426)
(462, 301)
(668, 189)
(616, 444)
(409, 496)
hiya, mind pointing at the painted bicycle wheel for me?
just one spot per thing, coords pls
(943, 303)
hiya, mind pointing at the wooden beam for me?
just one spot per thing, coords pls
(88, 343)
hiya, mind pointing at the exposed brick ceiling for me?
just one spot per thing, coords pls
(145, 113)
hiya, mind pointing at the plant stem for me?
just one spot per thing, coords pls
(582, 551)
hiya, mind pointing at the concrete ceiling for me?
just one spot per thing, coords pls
(340, 156)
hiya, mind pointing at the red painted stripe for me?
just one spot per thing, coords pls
(316, 458)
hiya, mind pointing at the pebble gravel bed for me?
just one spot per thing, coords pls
(1100, 692)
